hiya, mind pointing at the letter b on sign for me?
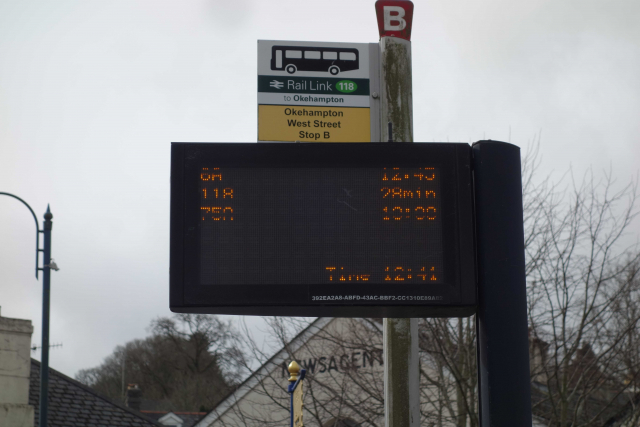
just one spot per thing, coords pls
(394, 18)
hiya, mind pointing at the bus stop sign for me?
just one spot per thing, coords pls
(395, 18)
(313, 91)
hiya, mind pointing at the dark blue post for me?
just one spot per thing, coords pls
(46, 292)
(291, 403)
(503, 344)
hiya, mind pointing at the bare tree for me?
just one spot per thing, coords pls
(448, 372)
(583, 296)
(188, 363)
(212, 343)
(582, 287)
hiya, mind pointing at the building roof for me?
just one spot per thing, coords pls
(189, 419)
(247, 385)
(72, 404)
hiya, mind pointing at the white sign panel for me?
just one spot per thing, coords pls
(313, 73)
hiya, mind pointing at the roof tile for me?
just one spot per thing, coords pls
(72, 404)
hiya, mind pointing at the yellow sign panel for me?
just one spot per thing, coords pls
(313, 124)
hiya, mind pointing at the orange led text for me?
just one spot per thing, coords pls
(219, 213)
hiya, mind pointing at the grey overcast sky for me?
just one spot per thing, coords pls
(93, 92)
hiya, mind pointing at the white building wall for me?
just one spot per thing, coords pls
(15, 368)
(343, 358)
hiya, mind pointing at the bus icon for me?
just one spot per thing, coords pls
(302, 58)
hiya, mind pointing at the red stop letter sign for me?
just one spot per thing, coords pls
(394, 18)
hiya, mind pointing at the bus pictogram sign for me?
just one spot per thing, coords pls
(307, 58)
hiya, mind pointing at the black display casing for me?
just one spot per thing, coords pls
(453, 160)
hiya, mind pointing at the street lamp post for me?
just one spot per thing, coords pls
(46, 293)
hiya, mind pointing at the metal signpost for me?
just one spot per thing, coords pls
(400, 335)
(395, 18)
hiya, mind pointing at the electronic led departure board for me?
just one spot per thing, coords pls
(322, 229)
